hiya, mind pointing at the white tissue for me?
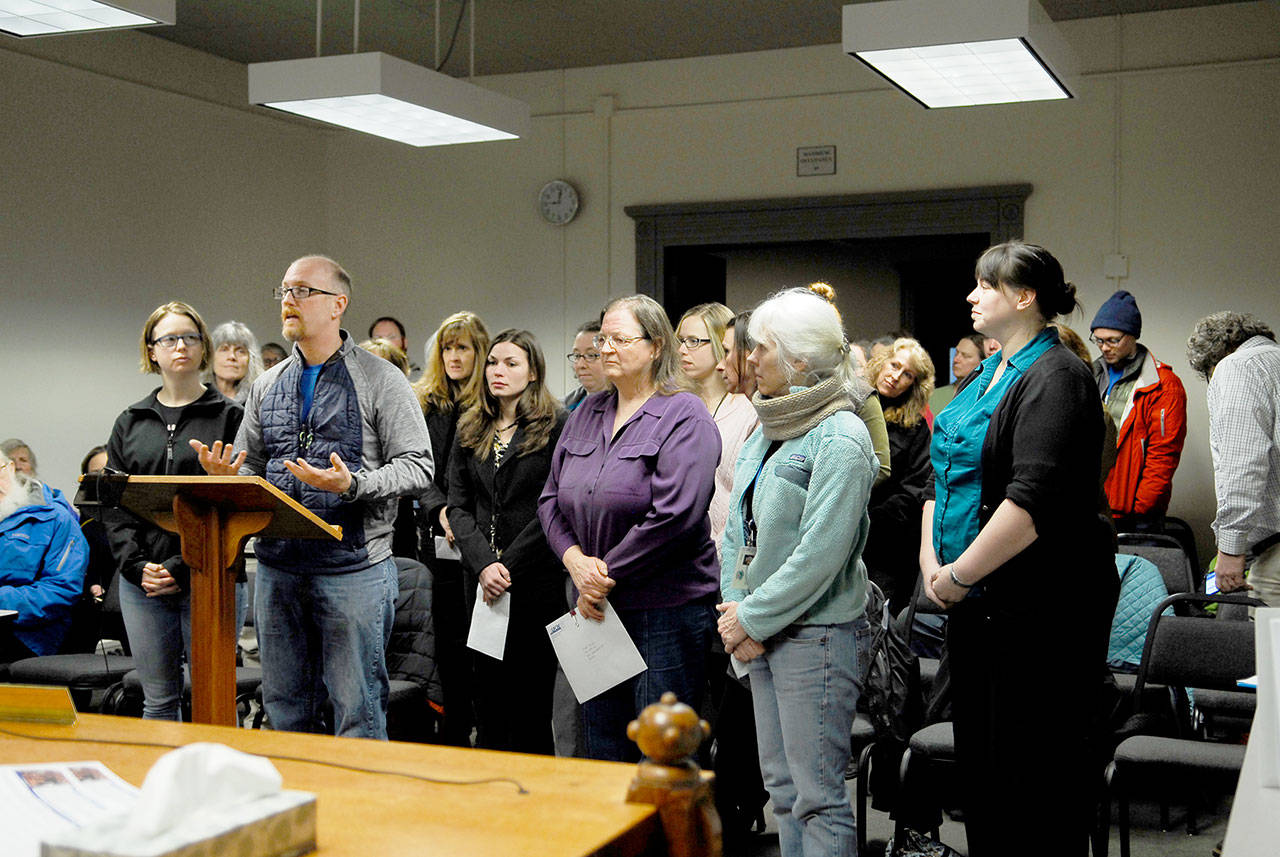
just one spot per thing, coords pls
(198, 779)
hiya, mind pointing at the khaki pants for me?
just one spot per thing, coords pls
(1264, 575)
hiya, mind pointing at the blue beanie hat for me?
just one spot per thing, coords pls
(1120, 312)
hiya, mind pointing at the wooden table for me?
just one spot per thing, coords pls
(573, 806)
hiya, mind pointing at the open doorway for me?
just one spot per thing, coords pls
(912, 285)
(898, 261)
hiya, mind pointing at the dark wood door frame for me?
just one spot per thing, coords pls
(996, 210)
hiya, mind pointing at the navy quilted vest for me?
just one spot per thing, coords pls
(334, 425)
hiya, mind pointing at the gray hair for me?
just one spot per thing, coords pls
(652, 318)
(236, 333)
(8, 446)
(805, 327)
(1215, 336)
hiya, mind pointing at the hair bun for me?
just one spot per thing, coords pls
(824, 291)
(1064, 302)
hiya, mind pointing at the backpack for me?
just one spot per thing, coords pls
(891, 688)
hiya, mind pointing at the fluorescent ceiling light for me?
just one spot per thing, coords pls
(961, 52)
(388, 97)
(49, 17)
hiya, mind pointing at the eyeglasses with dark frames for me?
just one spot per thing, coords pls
(170, 342)
(300, 293)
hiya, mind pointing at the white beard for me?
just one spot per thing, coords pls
(21, 493)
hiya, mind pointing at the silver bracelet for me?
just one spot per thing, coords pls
(957, 581)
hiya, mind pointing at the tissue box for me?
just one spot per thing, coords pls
(282, 825)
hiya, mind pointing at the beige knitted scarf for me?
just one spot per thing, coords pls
(795, 414)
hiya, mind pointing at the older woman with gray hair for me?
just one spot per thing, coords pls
(236, 360)
(792, 576)
(625, 508)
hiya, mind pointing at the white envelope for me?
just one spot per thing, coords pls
(444, 550)
(595, 656)
(488, 633)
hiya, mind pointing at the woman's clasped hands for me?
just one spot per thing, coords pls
(734, 636)
(591, 578)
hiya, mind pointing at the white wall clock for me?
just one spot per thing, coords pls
(558, 202)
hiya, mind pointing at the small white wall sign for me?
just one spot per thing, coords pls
(816, 161)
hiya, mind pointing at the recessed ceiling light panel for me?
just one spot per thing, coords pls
(388, 97)
(53, 17)
(962, 52)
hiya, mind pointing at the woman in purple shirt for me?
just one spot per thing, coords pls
(625, 508)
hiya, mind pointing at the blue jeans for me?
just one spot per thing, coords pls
(326, 635)
(673, 642)
(805, 688)
(160, 638)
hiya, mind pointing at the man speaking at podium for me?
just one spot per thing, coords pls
(340, 431)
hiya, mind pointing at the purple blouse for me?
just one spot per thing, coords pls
(639, 500)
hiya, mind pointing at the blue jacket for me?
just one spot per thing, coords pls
(1141, 590)
(42, 562)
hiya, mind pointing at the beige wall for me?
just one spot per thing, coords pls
(136, 194)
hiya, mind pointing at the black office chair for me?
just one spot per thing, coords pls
(87, 676)
(1176, 567)
(1181, 652)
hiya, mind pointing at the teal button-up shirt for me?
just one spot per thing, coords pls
(956, 450)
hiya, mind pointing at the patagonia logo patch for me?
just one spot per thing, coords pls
(797, 458)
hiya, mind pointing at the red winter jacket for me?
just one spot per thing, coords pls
(1151, 435)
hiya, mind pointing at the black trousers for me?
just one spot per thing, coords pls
(513, 696)
(1025, 693)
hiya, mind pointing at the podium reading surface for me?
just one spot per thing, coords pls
(215, 515)
(572, 807)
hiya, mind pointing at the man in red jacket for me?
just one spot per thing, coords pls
(1148, 404)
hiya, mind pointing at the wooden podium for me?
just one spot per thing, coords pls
(215, 515)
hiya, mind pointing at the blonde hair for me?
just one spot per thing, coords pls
(716, 317)
(1072, 340)
(435, 390)
(652, 318)
(911, 411)
(149, 366)
(393, 354)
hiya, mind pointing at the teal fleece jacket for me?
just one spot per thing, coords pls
(810, 508)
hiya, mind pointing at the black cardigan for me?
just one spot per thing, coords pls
(1043, 451)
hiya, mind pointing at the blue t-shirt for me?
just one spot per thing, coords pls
(1114, 374)
(307, 387)
(956, 451)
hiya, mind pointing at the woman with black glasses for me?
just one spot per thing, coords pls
(151, 438)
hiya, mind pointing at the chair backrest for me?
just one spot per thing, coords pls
(411, 655)
(1168, 556)
(1197, 651)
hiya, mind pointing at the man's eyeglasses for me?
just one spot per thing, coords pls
(590, 357)
(300, 293)
(692, 342)
(1107, 341)
(170, 342)
(616, 341)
